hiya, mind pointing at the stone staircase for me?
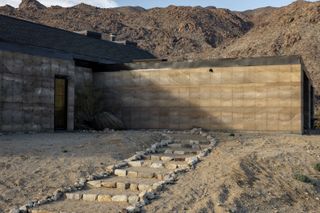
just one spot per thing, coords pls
(134, 182)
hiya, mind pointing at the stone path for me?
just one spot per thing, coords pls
(133, 183)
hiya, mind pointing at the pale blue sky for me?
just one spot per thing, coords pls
(239, 5)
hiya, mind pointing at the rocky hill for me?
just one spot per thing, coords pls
(291, 30)
(167, 32)
(179, 33)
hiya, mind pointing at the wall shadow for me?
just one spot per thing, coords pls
(141, 103)
(255, 95)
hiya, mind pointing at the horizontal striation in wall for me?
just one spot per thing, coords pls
(251, 98)
(27, 91)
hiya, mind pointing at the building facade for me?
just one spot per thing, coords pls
(42, 67)
(266, 94)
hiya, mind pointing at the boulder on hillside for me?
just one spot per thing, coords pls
(7, 8)
(31, 5)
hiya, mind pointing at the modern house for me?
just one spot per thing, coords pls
(40, 67)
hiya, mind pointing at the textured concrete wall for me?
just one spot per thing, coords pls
(250, 98)
(27, 88)
(83, 76)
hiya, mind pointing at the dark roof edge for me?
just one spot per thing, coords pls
(100, 59)
(47, 52)
(33, 50)
(52, 28)
(225, 62)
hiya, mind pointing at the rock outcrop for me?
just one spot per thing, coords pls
(31, 5)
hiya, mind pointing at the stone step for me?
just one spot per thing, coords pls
(124, 183)
(80, 206)
(181, 151)
(169, 157)
(159, 164)
(133, 182)
(104, 195)
(142, 172)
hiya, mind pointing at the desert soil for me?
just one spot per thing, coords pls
(249, 173)
(35, 165)
(245, 173)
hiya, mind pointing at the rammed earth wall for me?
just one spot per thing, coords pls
(27, 90)
(237, 98)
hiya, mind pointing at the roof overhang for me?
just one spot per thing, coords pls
(225, 62)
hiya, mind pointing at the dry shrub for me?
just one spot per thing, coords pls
(317, 167)
(302, 178)
(90, 112)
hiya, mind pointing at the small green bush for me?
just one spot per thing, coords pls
(302, 178)
(317, 167)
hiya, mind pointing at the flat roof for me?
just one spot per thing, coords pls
(26, 34)
(225, 62)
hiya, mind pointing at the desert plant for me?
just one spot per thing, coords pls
(90, 112)
(317, 167)
(302, 178)
(87, 105)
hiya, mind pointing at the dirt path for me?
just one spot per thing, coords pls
(136, 182)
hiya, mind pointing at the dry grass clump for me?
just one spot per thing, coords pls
(302, 178)
(90, 112)
(317, 167)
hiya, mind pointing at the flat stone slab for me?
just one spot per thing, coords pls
(181, 151)
(172, 165)
(147, 172)
(94, 183)
(89, 196)
(130, 180)
(120, 172)
(138, 163)
(104, 198)
(169, 157)
(126, 183)
(101, 194)
(74, 196)
(154, 163)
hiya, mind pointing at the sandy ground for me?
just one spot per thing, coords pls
(35, 165)
(249, 173)
(246, 173)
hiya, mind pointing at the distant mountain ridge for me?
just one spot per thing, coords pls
(166, 32)
(180, 33)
